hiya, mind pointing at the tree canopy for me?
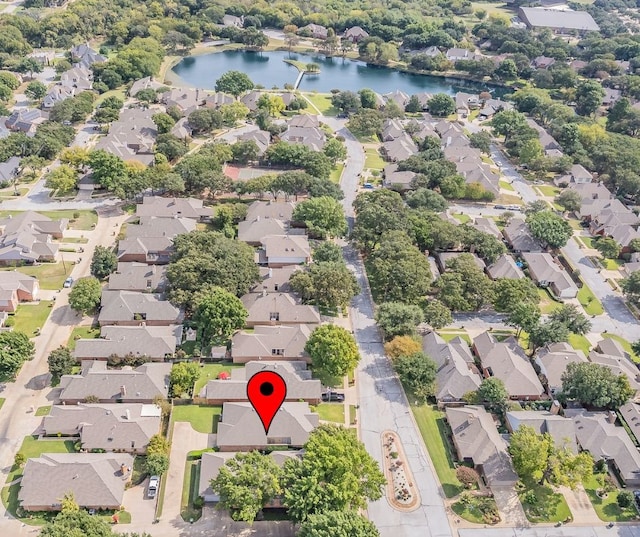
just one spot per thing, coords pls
(550, 228)
(338, 524)
(323, 216)
(218, 314)
(595, 385)
(103, 262)
(15, 349)
(333, 351)
(234, 82)
(85, 294)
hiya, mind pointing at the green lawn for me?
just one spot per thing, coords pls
(2, 400)
(43, 410)
(82, 332)
(373, 160)
(74, 240)
(608, 508)
(580, 343)
(588, 241)
(473, 512)
(31, 317)
(506, 186)
(10, 500)
(50, 275)
(467, 513)
(336, 173)
(462, 218)
(32, 448)
(549, 506)
(322, 102)
(190, 484)
(547, 302)
(549, 191)
(590, 303)
(203, 419)
(449, 335)
(331, 412)
(625, 344)
(119, 93)
(86, 221)
(433, 429)
(352, 414)
(612, 264)
(210, 372)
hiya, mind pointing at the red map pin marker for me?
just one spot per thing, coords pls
(266, 391)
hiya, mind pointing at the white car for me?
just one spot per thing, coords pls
(154, 483)
(68, 282)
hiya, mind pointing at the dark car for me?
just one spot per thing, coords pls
(333, 397)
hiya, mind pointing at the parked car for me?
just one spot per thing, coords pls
(154, 483)
(335, 397)
(68, 282)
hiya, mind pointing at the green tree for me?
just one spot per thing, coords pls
(493, 392)
(333, 351)
(76, 523)
(335, 150)
(509, 293)
(246, 483)
(398, 271)
(365, 122)
(338, 524)
(436, 314)
(347, 102)
(441, 105)
(402, 346)
(182, 378)
(595, 385)
(631, 287)
(61, 362)
(108, 170)
(35, 90)
(323, 216)
(164, 122)
(482, 140)
(570, 199)
(327, 251)
(377, 212)
(398, 319)
(572, 318)
(625, 499)
(589, 94)
(417, 373)
(536, 458)
(368, 98)
(208, 258)
(464, 286)
(234, 82)
(335, 474)
(272, 104)
(329, 284)
(62, 179)
(245, 151)
(103, 262)
(524, 316)
(424, 198)
(218, 315)
(157, 463)
(545, 333)
(549, 228)
(15, 349)
(608, 247)
(85, 295)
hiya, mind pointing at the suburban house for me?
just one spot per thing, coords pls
(444, 258)
(56, 94)
(487, 225)
(130, 308)
(391, 129)
(10, 168)
(173, 208)
(578, 175)
(26, 120)
(262, 139)
(399, 149)
(300, 385)
(314, 30)
(281, 250)
(398, 97)
(96, 480)
(591, 191)
(43, 57)
(232, 20)
(542, 62)
(305, 129)
(271, 343)
(631, 415)
(397, 180)
(553, 361)
(278, 308)
(142, 84)
(84, 55)
(250, 100)
(275, 280)
(519, 238)
(507, 361)
(78, 78)
(152, 342)
(457, 373)
(611, 218)
(27, 237)
(138, 277)
(16, 287)
(240, 428)
(504, 267)
(610, 353)
(545, 271)
(560, 22)
(456, 54)
(182, 129)
(253, 231)
(187, 100)
(140, 385)
(132, 137)
(278, 210)
(210, 465)
(560, 428)
(549, 144)
(151, 241)
(218, 99)
(355, 34)
(491, 107)
(597, 433)
(478, 441)
(110, 427)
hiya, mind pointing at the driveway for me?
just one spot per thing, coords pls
(510, 507)
(580, 505)
(141, 507)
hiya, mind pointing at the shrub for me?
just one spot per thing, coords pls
(467, 476)
(625, 499)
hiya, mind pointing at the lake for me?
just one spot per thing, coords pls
(268, 69)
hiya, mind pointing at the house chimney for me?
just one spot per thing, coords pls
(611, 417)
(123, 469)
(128, 414)
(123, 391)
(270, 273)
(264, 292)
(555, 407)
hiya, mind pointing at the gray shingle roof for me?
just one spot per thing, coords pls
(553, 18)
(125, 306)
(264, 340)
(561, 429)
(279, 308)
(138, 277)
(170, 207)
(95, 479)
